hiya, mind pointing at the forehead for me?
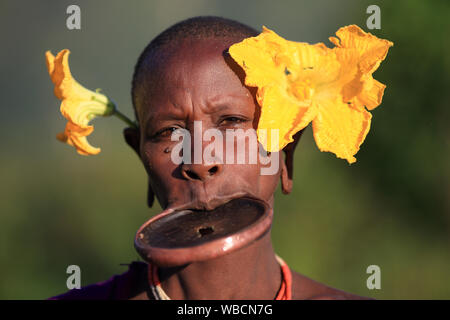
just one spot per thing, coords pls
(196, 71)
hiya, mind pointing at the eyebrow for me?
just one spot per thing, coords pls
(214, 105)
(166, 116)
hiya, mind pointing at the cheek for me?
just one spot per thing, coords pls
(269, 180)
(262, 173)
(268, 185)
(157, 160)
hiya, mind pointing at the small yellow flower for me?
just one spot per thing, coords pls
(299, 83)
(78, 104)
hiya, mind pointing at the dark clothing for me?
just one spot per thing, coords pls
(118, 287)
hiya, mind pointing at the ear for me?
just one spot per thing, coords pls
(132, 137)
(287, 169)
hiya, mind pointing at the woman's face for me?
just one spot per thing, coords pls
(195, 82)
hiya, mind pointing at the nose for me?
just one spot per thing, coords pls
(200, 172)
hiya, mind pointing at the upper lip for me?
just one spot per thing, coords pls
(213, 202)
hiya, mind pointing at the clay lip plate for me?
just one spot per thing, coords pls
(178, 237)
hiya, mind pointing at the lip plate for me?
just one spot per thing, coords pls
(171, 257)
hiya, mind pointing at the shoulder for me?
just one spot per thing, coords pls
(119, 287)
(304, 288)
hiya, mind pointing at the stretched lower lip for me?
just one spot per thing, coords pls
(179, 237)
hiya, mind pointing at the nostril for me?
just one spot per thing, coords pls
(192, 175)
(199, 172)
(213, 170)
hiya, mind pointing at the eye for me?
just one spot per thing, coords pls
(231, 120)
(166, 132)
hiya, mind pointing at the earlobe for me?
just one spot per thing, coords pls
(286, 182)
(287, 170)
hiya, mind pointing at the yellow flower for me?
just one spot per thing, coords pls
(299, 83)
(78, 104)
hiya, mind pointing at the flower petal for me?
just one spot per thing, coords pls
(60, 74)
(50, 61)
(66, 87)
(371, 50)
(64, 138)
(83, 147)
(75, 135)
(372, 93)
(81, 112)
(256, 56)
(340, 129)
(284, 113)
(360, 54)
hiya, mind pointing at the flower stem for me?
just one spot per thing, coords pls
(124, 118)
(113, 108)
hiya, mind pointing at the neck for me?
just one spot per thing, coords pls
(249, 273)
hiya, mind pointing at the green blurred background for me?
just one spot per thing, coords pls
(391, 208)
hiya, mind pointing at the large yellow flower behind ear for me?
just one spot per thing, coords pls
(78, 104)
(299, 83)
